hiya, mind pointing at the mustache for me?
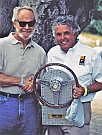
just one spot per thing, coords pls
(65, 40)
(27, 30)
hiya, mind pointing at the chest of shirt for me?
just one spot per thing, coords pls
(17, 60)
(80, 64)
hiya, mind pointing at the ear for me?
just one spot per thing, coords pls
(15, 24)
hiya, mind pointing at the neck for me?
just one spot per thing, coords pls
(24, 41)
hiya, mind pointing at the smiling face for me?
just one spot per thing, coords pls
(65, 37)
(26, 32)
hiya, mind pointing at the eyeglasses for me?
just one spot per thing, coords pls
(23, 24)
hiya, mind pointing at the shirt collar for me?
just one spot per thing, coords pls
(74, 48)
(15, 41)
(71, 49)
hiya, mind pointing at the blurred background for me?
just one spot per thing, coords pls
(92, 34)
(87, 13)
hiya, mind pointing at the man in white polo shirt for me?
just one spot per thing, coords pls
(84, 61)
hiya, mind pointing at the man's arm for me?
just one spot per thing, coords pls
(78, 92)
(6, 80)
(9, 81)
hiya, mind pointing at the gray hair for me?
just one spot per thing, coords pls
(16, 10)
(66, 20)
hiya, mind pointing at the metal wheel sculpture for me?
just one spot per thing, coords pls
(55, 81)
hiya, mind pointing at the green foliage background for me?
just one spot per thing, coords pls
(95, 26)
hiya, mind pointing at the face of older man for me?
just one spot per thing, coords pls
(65, 37)
(25, 24)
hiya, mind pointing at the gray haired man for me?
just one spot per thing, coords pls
(85, 63)
(20, 58)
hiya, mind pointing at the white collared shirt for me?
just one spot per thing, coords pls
(83, 60)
